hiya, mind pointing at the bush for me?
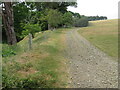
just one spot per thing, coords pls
(82, 22)
(31, 28)
(32, 81)
(54, 18)
(67, 19)
(8, 50)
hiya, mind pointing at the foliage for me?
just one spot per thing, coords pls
(60, 6)
(34, 13)
(42, 19)
(8, 50)
(93, 18)
(82, 22)
(33, 81)
(67, 19)
(54, 18)
(31, 28)
(21, 12)
(76, 15)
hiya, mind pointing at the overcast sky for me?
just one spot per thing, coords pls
(107, 8)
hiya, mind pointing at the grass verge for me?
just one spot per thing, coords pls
(42, 67)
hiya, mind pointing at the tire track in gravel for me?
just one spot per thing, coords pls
(89, 67)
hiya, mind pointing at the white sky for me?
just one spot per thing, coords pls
(107, 8)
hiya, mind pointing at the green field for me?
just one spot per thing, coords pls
(43, 66)
(104, 35)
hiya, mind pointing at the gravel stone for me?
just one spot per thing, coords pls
(89, 65)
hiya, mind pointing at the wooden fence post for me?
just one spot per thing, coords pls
(30, 41)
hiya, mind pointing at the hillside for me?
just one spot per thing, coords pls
(43, 66)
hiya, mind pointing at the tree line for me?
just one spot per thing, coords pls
(94, 18)
(22, 18)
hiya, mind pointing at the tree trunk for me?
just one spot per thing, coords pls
(8, 21)
(49, 27)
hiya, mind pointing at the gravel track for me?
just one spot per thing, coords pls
(89, 67)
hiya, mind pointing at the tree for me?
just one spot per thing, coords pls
(67, 19)
(82, 22)
(21, 13)
(30, 28)
(77, 15)
(36, 13)
(60, 6)
(54, 18)
(8, 21)
(93, 18)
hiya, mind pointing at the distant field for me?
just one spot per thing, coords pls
(104, 35)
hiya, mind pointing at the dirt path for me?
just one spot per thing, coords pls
(89, 67)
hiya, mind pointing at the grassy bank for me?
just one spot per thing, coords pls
(104, 35)
(42, 67)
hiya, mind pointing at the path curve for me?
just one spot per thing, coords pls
(89, 67)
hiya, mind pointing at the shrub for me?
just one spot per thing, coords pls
(67, 19)
(54, 18)
(82, 22)
(31, 28)
(8, 50)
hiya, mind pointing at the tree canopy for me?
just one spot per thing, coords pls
(32, 17)
(54, 18)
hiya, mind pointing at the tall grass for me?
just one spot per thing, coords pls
(42, 67)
